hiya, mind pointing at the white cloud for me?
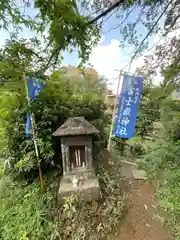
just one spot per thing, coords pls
(102, 39)
(107, 58)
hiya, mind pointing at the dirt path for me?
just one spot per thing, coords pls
(142, 220)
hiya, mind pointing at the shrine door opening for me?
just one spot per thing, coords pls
(77, 157)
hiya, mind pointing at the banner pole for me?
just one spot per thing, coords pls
(34, 137)
(113, 118)
(37, 152)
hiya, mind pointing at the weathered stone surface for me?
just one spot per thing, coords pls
(130, 170)
(83, 173)
(77, 151)
(89, 190)
(139, 174)
(126, 171)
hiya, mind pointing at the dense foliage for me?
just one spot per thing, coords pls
(170, 115)
(52, 107)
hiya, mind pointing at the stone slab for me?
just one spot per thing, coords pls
(130, 170)
(139, 174)
(89, 190)
(126, 171)
(81, 172)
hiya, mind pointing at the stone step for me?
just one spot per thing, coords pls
(139, 174)
(130, 170)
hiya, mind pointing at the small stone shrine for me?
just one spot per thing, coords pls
(78, 172)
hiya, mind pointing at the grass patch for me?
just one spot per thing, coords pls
(162, 164)
(168, 195)
(26, 214)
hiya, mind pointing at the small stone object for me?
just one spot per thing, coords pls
(154, 206)
(145, 206)
(74, 181)
(139, 174)
(80, 180)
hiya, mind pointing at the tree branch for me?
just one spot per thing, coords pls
(90, 22)
(50, 59)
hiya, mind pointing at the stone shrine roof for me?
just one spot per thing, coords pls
(75, 126)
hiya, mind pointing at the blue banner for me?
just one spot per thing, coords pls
(34, 87)
(128, 107)
(28, 124)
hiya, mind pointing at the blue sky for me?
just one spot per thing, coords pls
(106, 56)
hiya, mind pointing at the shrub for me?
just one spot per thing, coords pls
(129, 147)
(137, 149)
(162, 157)
(170, 116)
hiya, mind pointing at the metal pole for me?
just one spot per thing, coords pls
(34, 137)
(113, 118)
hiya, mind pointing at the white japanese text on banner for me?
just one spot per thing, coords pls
(128, 106)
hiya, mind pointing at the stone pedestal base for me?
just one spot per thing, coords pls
(88, 191)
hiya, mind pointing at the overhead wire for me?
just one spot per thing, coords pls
(123, 21)
(149, 49)
(108, 17)
(136, 50)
